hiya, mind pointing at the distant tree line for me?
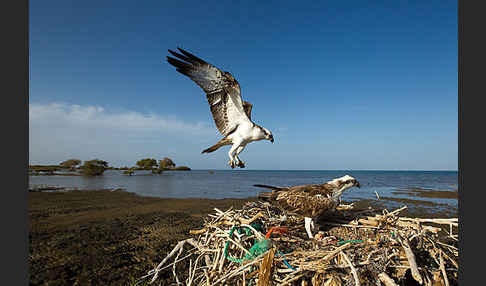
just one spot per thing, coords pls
(156, 168)
(96, 167)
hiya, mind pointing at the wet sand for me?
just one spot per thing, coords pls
(424, 193)
(114, 237)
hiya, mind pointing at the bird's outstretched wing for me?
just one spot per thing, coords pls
(247, 107)
(222, 90)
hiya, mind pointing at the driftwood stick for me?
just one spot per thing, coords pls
(345, 207)
(448, 221)
(333, 253)
(442, 268)
(174, 266)
(194, 268)
(249, 221)
(168, 265)
(348, 225)
(450, 259)
(216, 260)
(244, 278)
(447, 245)
(207, 277)
(386, 279)
(222, 259)
(258, 234)
(179, 246)
(189, 280)
(411, 260)
(368, 222)
(292, 279)
(239, 269)
(353, 270)
(266, 268)
(417, 227)
(234, 242)
(369, 256)
(395, 211)
(197, 231)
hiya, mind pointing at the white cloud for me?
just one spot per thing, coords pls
(63, 115)
(61, 131)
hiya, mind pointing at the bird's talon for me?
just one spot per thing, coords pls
(241, 164)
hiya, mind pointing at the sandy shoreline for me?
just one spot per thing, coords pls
(113, 237)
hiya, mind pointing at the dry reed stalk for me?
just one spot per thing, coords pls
(442, 268)
(386, 279)
(447, 221)
(353, 270)
(236, 271)
(266, 268)
(174, 266)
(451, 260)
(368, 222)
(285, 282)
(230, 239)
(417, 226)
(342, 207)
(411, 260)
(349, 225)
(251, 220)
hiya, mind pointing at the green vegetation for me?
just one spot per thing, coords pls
(94, 167)
(166, 163)
(129, 171)
(97, 167)
(147, 164)
(169, 165)
(71, 164)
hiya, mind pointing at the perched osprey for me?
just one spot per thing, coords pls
(310, 201)
(231, 115)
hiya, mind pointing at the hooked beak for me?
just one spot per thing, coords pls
(357, 184)
(271, 139)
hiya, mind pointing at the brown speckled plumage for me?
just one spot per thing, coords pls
(222, 89)
(308, 200)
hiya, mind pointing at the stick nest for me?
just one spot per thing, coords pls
(352, 247)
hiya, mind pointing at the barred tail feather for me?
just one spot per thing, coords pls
(265, 195)
(216, 146)
(268, 187)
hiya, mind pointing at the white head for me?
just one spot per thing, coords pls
(345, 180)
(263, 133)
(343, 183)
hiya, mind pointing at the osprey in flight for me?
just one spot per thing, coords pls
(310, 201)
(231, 115)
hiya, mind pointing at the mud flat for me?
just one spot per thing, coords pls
(106, 237)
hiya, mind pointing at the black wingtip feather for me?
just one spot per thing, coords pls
(191, 56)
(177, 63)
(182, 57)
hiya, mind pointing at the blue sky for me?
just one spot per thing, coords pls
(354, 85)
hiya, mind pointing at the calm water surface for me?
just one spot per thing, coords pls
(239, 183)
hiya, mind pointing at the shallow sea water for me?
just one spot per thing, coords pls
(217, 184)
